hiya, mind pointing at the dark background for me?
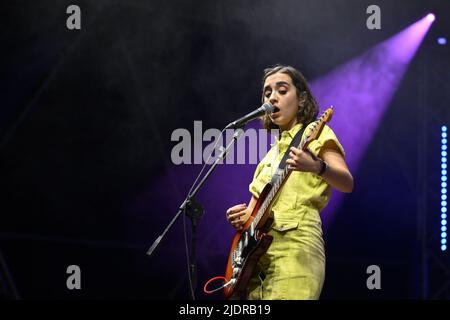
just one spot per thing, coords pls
(86, 120)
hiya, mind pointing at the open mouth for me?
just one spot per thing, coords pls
(275, 114)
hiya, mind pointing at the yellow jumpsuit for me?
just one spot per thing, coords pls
(294, 266)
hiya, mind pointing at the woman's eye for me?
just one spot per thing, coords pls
(282, 91)
(267, 94)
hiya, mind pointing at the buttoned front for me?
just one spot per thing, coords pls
(303, 192)
(294, 265)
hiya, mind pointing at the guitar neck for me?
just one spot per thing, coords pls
(283, 175)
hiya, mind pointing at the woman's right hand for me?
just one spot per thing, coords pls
(234, 216)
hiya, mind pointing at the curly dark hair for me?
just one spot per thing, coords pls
(309, 108)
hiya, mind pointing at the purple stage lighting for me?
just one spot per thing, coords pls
(431, 17)
(442, 41)
(365, 86)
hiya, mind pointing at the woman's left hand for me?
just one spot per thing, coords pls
(300, 160)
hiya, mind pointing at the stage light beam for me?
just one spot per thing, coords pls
(365, 86)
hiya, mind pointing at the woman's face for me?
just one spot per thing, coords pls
(282, 94)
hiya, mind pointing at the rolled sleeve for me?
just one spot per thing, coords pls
(327, 136)
(256, 186)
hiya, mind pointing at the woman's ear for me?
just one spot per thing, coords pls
(302, 98)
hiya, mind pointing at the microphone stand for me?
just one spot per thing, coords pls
(194, 211)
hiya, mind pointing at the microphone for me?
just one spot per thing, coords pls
(266, 108)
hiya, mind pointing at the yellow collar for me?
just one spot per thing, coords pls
(293, 131)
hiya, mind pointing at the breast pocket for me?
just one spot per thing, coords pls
(285, 225)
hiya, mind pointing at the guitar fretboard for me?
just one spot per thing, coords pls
(313, 133)
(282, 176)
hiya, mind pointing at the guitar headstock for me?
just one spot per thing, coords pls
(317, 126)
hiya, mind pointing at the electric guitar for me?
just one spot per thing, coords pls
(250, 243)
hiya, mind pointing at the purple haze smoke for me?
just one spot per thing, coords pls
(364, 88)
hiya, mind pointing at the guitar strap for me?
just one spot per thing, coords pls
(295, 141)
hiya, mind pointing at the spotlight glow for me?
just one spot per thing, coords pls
(431, 17)
(362, 90)
(442, 41)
